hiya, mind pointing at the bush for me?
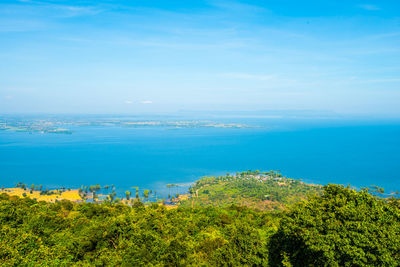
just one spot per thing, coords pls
(342, 227)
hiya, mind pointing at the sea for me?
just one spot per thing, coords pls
(352, 152)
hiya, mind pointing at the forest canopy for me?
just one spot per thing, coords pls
(340, 227)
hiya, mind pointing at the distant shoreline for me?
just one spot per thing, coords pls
(53, 126)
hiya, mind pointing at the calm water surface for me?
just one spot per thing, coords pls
(359, 154)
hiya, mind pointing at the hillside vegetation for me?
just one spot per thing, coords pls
(339, 227)
(254, 189)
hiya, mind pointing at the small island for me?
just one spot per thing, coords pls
(61, 125)
(260, 190)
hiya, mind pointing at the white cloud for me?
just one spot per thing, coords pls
(146, 102)
(236, 6)
(128, 102)
(8, 97)
(369, 7)
(247, 76)
(74, 11)
(389, 80)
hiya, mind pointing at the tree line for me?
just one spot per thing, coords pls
(339, 227)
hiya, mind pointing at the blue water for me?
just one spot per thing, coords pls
(356, 153)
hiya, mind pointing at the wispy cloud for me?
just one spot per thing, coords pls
(246, 76)
(39, 8)
(386, 35)
(236, 6)
(146, 102)
(369, 7)
(128, 102)
(388, 80)
(39, 15)
(74, 11)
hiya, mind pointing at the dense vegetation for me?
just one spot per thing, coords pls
(339, 227)
(112, 234)
(261, 190)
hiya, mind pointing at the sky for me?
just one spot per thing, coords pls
(133, 56)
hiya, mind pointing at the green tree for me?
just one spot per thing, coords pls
(146, 194)
(128, 195)
(169, 186)
(342, 227)
(97, 187)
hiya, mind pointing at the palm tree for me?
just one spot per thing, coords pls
(111, 196)
(146, 194)
(176, 188)
(106, 187)
(169, 188)
(128, 195)
(97, 187)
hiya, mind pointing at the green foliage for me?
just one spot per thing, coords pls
(146, 193)
(128, 194)
(342, 227)
(88, 234)
(265, 191)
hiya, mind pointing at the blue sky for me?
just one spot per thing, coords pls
(162, 56)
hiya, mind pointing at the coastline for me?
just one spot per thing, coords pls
(52, 195)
